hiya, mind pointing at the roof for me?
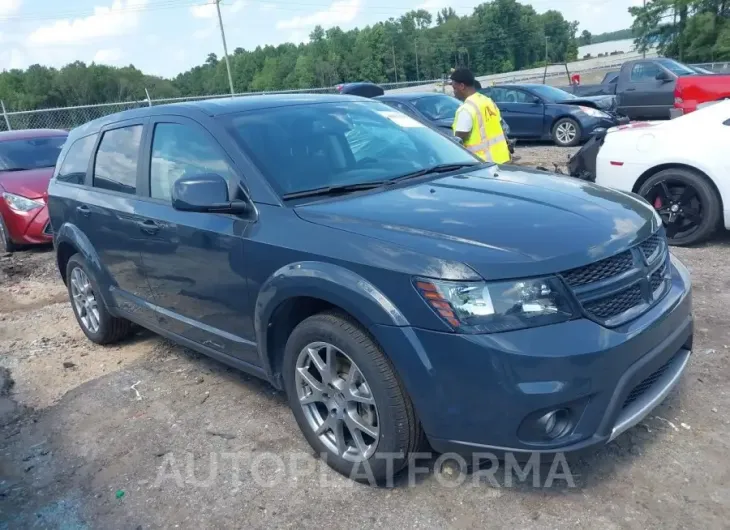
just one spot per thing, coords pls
(410, 96)
(220, 106)
(25, 134)
(215, 107)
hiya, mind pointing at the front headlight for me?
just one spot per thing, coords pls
(491, 307)
(21, 204)
(595, 113)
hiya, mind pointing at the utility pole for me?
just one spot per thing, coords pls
(418, 75)
(546, 51)
(225, 46)
(395, 68)
(643, 53)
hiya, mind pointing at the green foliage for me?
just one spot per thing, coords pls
(499, 36)
(691, 30)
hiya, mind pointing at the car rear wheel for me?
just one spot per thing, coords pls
(687, 203)
(6, 244)
(347, 398)
(566, 132)
(89, 308)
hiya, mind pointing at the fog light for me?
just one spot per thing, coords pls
(555, 423)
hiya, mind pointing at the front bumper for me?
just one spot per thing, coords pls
(28, 228)
(475, 392)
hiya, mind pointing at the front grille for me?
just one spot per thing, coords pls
(658, 278)
(600, 270)
(646, 384)
(649, 246)
(614, 305)
(609, 289)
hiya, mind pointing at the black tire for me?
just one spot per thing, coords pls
(566, 122)
(6, 245)
(110, 329)
(705, 201)
(399, 430)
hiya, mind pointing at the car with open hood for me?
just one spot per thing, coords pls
(396, 287)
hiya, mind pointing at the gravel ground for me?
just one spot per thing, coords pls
(144, 435)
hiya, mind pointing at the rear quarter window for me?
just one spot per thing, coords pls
(75, 163)
(115, 168)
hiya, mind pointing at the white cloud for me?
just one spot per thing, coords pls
(266, 6)
(8, 7)
(121, 17)
(204, 10)
(339, 12)
(237, 6)
(108, 55)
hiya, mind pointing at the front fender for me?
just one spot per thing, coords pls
(325, 281)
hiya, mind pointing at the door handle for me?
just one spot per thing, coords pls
(629, 90)
(83, 210)
(148, 226)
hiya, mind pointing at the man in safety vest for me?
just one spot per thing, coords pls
(477, 121)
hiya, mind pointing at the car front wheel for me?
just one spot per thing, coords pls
(347, 398)
(566, 132)
(6, 244)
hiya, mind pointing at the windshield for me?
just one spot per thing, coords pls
(307, 147)
(30, 153)
(675, 67)
(551, 93)
(437, 107)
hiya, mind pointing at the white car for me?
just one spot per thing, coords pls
(681, 166)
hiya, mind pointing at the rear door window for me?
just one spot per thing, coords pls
(182, 151)
(76, 162)
(115, 168)
(643, 72)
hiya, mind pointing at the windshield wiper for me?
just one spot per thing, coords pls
(10, 169)
(361, 186)
(334, 190)
(439, 168)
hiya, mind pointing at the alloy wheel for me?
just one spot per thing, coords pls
(84, 300)
(337, 401)
(566, 132)
(679, 206)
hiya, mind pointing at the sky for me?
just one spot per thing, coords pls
(166, 37)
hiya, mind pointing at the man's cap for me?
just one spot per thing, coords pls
(463, 75)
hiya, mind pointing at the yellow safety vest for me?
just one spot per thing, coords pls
(486, 139)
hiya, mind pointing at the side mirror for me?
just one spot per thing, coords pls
(662, 76)
(206, 192)
(456, 140)
(536, 100)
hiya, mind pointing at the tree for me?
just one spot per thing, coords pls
(585, 37)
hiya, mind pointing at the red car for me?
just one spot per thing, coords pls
(27, 160)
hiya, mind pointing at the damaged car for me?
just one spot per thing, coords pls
(679, 166)
(542, 112)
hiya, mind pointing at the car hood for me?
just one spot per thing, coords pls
(502, 221)
(32, 183)
(607, 103)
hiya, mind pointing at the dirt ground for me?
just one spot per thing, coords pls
(141, 435)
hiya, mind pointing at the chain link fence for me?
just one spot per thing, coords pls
(70, 117)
